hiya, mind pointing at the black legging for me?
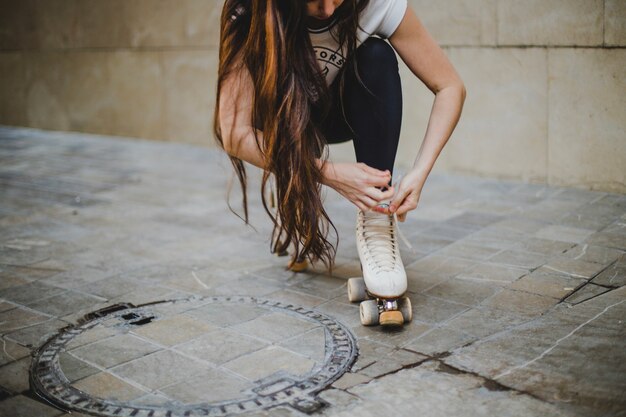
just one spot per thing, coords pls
(375, 116)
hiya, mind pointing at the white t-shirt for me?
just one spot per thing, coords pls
(380, 17)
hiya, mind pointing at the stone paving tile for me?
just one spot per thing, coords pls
(585, 293)
(391, 337)
(349, 379)
(105, 385)
(11, 351)
(571, 267)
(339, 398)
(283, 275)
(221, 346)
(5, 306)
(447, 231)
(462, 291)
(474, 220)
(556, 361)
(152, 399)
(310, 344)
(434, 310)
(613, 276)
(21, 257)
(11, 281)
(610, 240)
(519, 259)
(369, 352)
(18, 318)
(21, 405)
(114, 350)
(483, 322)
(64, 303)
(78, 276)
(27, 272)
(514, 227)
(468, 251)
(492, 274)
(420, 281)
(563, 233)
(174, 330)
(592, 253)
(543, 246)
(159, 369)
(274, 327)
(288, 296)
(438, 393)
(251, 286)
(266, 362)
(580, 220)
(439, 340)
(520, 303)
(491, 239)
(322, 286)
(391, 362)
(75, 369)
(110, 287)
(35, 335)
(94, 334)
(14, 376)
(210, 386)
(342, 309)
(548, 285)
(346, 270)
(29, 293)
(227, 315)
(440, 265)
(147, 295)
(428, 244)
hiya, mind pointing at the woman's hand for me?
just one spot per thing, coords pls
(408, 194)
(357, 182)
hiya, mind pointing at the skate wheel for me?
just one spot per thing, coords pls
(369, 312)
(391, 318)
(404, 305)
(356, 290)
(298, 266)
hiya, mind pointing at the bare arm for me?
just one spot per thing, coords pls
(356, 182)
(235, 119)
(428, 62)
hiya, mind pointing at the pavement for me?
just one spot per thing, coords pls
(126, 280)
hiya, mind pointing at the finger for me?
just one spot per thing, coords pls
(376, 171)
(379, 195)
(377, 181)
(408, 205)
(399, 200)
(360, 205)
(402, 217)
(369, 202)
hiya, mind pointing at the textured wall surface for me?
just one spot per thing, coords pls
(545, 79)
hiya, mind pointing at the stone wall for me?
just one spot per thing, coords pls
(545, 79)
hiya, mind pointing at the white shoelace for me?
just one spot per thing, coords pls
(379, 235)
(377, 232)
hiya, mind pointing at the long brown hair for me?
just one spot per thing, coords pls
(271, 40)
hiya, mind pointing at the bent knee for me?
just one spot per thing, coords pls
(376, 52)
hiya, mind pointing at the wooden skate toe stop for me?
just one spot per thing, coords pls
(391, 318)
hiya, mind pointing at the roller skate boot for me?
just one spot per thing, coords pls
(383, 286)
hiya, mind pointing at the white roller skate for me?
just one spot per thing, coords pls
(383, 286)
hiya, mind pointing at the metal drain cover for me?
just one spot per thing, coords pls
(196, 356)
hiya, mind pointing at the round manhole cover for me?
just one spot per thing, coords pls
(194, 356)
